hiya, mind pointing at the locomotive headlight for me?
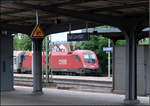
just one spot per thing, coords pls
(84, 65)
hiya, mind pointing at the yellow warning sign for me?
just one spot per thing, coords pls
(28, 52)
(37, 32)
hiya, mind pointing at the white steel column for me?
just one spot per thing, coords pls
(109, 58)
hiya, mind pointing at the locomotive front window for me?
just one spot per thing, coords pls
(93, 56)
(86, 56)
(89, 58)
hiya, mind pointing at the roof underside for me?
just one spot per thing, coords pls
(56, 15)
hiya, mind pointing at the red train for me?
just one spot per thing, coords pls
(74, 62)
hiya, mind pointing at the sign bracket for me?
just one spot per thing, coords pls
(37, 31)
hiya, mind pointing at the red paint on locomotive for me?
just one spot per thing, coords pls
(73, 61)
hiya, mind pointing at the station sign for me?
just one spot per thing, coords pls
(37, 32)
(107, 49)
(78, 37)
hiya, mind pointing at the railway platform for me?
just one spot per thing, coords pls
(81, 83)
(24, 96)
(77, 78)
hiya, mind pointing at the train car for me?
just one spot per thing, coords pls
(17, 60)
(74, 62)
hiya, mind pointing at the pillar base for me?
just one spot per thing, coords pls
(37, 93)
(10, 90)
(131, 102)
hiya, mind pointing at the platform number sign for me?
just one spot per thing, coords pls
(37, 32)
(107, 49)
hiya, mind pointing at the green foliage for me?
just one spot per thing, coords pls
(22, 42)
(145, 41)
(71, 47)
(120, 42)
(26, 43)
(16, 43)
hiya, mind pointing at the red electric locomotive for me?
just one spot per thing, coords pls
(72, 62)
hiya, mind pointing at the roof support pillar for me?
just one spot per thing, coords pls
(131, 70)
(37, 66)
(113, 65)
(131, 32)
(6, 61)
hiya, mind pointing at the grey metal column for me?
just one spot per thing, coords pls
(37, 66)
(113, 65)
(148, 69)
(131, 69)
(6, 61)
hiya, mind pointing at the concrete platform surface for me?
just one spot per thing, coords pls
(24, 96)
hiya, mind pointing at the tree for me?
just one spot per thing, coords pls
(120, 42)
(22, 42)
(71, 46)
(16, 43)
(26, 43)
(145, 41)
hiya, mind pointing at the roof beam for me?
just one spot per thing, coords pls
(112, 8)
(65, 27)
(98, 18)
(15, 11)
(22, 19)
(5, 1)
(56, 4)
(47, 28)
(17, 28)
(50, 29)
(72, 2)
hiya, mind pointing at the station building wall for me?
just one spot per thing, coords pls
(6, 62)
(143, 70)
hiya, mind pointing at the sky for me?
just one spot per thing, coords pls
(61, 37)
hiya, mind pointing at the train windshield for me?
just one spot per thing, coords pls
(89, 58)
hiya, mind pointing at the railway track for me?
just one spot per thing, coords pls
(68, 83)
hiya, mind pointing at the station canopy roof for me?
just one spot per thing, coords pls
(19, 16)
(114, 33)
